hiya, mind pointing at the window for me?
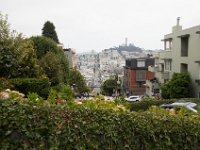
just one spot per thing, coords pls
(168, 44)
(184, 46)
(161, 67)
(168, 65)
(140, 75)
(140, 63)
(184, 68)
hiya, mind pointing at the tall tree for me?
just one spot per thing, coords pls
(17, 55)
(4, 27)
(49, 31)
(42, 45)
(52, 59)
(51, 66)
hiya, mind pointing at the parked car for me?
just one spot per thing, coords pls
(133, 98)
(189, 105)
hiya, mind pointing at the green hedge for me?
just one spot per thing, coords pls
(23, 126)
(145, 104)
(25, 85)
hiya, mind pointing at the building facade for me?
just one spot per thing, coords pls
(181, 54)
(70, 54)
(136, 74)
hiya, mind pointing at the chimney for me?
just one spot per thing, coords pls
(177, 28)
(178, 21)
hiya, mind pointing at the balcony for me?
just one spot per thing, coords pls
(166, 54)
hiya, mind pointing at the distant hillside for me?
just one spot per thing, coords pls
(129, 48)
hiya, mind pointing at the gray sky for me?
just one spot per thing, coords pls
(98, 24)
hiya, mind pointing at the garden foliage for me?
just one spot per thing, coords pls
(177, 87)
(26, 85)
(145, 104)
(24, 125)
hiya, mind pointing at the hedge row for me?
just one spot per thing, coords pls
(24, 126)
(25, 85)
(145, 104)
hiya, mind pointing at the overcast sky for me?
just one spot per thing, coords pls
(87, 25)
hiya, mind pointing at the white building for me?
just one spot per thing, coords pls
(180, 54)
(71, 56)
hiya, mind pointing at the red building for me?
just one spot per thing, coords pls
(136, 75)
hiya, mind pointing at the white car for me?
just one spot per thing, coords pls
(133, 98)
(189, 105)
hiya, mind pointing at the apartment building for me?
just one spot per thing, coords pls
(135, 75)
(181, 54)
(70, 54)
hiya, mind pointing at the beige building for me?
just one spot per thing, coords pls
(181, 54)
(70, 54)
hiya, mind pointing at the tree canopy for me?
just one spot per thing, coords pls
(52, 59)
(108, 86)
(78, 82)
(129, 48)
(177, 87)
(42, 45)
(36, 57)
(49, 31)
(17, 55)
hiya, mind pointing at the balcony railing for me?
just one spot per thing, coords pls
(166, 54)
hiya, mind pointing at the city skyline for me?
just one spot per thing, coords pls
(100, 24)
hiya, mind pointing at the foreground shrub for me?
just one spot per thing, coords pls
(63, 91)
(34, 85)
(145, 104)
(5, 84)
(26, 126)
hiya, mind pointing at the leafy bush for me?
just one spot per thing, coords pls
(26, 126)
(145, 104)
(148, 102)
(5, 84)
(34, 85)
(177, 87)
(35, 98)
(100, 104)
(121, 100)
(52, 96)
(63, 91)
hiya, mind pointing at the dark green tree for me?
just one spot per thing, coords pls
(177, 87)
(49, 31)
(108, 86)
(78, 82)
(52, 59)
(54, 68)
(42, 45)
